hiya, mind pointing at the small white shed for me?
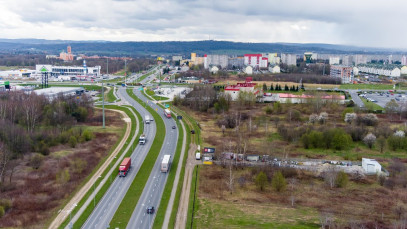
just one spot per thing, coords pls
(371, 166)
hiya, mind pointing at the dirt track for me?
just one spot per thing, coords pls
(182, 213)
(64, 213)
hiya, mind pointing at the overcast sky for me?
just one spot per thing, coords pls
(371, 23)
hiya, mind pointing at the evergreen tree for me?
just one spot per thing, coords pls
(264, 87)
(297, 89)
(271, 87)
(286, 88)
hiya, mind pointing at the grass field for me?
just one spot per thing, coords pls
(129, 202)
(110, 97)
(102, 191)
(226, 214)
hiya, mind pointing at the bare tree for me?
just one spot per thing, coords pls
(369, 140)
(330, 175)
(32, 110)
(292, 184)
(5, 157)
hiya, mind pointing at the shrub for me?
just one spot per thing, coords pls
(278, 182)
(36, 161)
(73, 141)
(323, 117)
(340, 140)
(313, 118)
(350, 117)
(268, 110)
(63, 176)
(87, 135)
(261, 181)
(342, 179)
(2, 212)
(43, 148)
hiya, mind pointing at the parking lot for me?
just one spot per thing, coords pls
(381, 98)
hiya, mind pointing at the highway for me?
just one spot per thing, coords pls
(106, 208)
(154, 188)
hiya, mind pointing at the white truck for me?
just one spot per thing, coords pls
(147, 119)
(165, 164)
(198, 156)
(142, 139)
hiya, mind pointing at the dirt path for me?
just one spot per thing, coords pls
(64, 213)
(182, 213)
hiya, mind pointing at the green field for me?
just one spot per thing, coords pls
(371, 106)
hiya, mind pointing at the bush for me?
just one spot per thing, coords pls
(268, 110)
(87, 135)
(2, 212)
(36, 161)
(278, 182)
(369, 140)
(261, 181)
(63, 176)
(342, 179)
(43, 148)
(73, 141)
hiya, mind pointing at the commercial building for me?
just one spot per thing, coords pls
(176, 58)
(343, 72)
(274, 69)
(308, 57)
(56, 71)
(217, 60)
(247, 86)
(289, 59)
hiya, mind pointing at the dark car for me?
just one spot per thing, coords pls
(173, 127)
(150, 210)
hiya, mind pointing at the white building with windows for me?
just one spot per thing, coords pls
(56, 71)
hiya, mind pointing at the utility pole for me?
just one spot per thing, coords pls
(125, 71)
(103, 103)
(107, 68)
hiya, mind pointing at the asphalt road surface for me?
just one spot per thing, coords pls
(107, 206)
(154, 188)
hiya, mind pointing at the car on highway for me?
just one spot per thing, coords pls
(150, 210)
(173, 127)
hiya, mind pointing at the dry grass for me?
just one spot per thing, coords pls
(36, 194)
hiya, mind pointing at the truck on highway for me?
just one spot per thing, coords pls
(124, 167)
(167, 113)
(142, 139)
(165, 164)
(147, 119)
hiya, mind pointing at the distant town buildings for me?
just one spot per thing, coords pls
(176, 58)
(380, 69)
(334, 60)
(257, 61)
(217, 60)
(66, 56)
(404, 60)
(360, 59)
(342, 72)
(247, 86)
(76, 71)
(347, 60)
(289, 59)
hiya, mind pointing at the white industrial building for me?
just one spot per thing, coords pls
(17, 74)
(53, 92)
(56, 71)
(371, 166)
(403, 70)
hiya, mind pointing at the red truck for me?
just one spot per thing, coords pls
(124, 167)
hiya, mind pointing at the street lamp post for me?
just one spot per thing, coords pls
(70, 216)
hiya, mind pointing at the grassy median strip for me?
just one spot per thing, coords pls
(127, 206)
(145, 76)
(110, 97)
(159, 219)
(102, 191)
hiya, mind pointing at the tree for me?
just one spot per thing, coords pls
(350, 117)
(313, 118)
(292, 183)
(330, 175)
(264, 87)
(381, 142)
(271, 87)
(278, 182)
(341, 140)
(323, 117)
(261, 181)
(391, 107)
(277, 108)
(369, 140)
(286, 88)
